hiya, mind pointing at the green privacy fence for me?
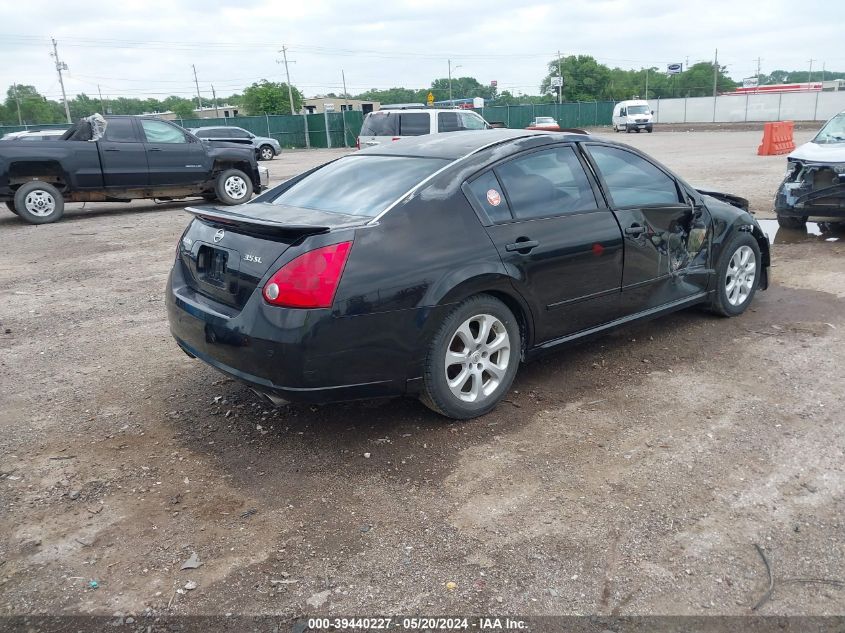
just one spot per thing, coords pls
(579, 114)
(340, 129)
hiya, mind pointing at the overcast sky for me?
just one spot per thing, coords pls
(146, 48)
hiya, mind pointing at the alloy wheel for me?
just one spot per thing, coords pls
(477, 358)
(740, 276)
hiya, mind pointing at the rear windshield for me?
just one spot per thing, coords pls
(359, 185)
(380, 124)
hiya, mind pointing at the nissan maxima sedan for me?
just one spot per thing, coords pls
(435, 265)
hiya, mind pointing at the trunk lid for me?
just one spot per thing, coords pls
(227, 251)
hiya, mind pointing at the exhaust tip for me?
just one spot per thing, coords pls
(270, 398)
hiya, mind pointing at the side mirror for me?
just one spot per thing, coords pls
(652, 111)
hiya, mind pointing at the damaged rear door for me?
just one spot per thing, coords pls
(663, 229)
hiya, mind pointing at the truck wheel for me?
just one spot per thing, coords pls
(628, 130)
(39, 202)
(790, 222)
(233, 187)
(11, 207)
(266, 152)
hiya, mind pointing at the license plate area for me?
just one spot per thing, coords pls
(212, 266)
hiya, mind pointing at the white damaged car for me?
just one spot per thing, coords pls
(814, 186)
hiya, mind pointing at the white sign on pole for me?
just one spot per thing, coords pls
(750, 82)
(674, 69)
(557, 82)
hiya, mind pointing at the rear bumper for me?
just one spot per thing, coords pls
(298, 355)
(314, 395)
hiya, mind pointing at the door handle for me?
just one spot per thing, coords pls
(111, 149)
(635, 229)
(522, 245)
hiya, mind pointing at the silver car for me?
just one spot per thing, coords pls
(266, 148)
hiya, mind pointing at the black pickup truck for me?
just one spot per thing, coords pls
(131, 158)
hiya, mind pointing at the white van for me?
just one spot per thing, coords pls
(393, 123)
(633, 115)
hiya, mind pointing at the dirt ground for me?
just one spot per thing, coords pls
(630, 475)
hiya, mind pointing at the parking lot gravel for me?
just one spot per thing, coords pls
(633, 474)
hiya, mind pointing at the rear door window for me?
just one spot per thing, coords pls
(631, 180)
(448, 122)
(546, 183)
(121, 131)
(380, 124)
(414, 123)
(237, 132)
(487, 193)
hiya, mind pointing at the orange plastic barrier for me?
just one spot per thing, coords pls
(777, 139)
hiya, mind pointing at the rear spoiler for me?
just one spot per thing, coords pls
(247, 224)
(731, 199)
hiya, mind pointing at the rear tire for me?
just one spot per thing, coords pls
(649, 130)
(627, 130)
(11, 206)
(737, 275)
(233, 187)
(39, 202)
(472, 359)
(266, 152)
(790, 222)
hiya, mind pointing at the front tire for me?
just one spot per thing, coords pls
(233, 187)
(737, 275)
(791, 222)
(265, 152)
(11, 207)
(472, 359)
(39, 202)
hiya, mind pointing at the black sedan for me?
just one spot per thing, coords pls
(434, 265)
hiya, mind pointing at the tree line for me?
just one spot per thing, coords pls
(584, 79)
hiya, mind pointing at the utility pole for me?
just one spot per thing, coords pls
(810, 74)
(18, 101)
(60, 66)
(197, 84)
(214, 96)
(284, 52)
(646, 84)
(715, 81)
(823, 73)
(560, 79)
(449, 62)
(715, 72)
(102, 104)
(343, 112)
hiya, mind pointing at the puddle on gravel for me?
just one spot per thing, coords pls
(814, 232)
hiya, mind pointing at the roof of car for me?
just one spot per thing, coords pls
(457, 144)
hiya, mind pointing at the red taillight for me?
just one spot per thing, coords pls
(396, 138)
(310, 280)
(357, 142)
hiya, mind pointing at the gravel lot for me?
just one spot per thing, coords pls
(629, 475)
